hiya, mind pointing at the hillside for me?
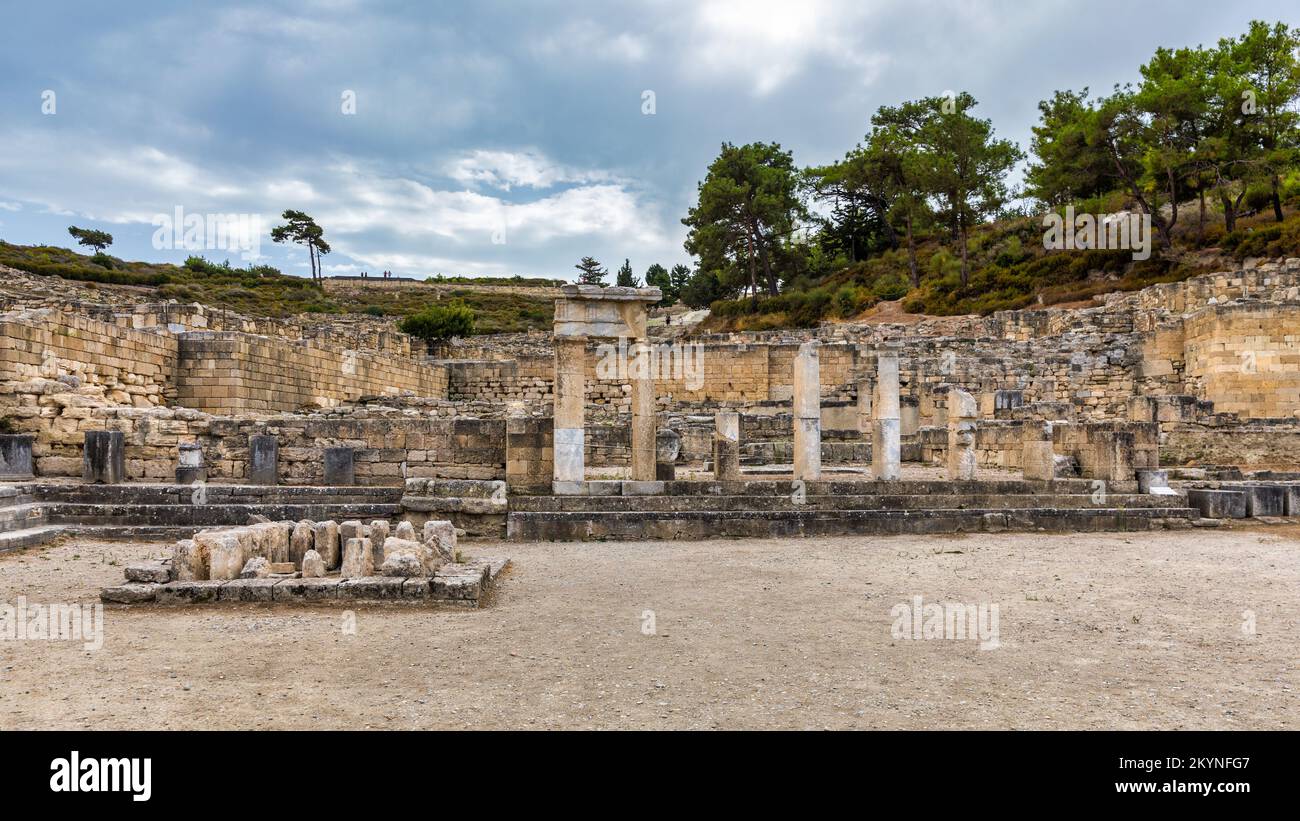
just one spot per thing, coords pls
(264, 291)
(1009, 269)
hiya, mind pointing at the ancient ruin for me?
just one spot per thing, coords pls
(1170, 407)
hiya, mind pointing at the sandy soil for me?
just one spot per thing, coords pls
(1102, 631)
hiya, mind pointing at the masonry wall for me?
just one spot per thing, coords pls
(94, 360)
(231, 372)
(1245, 358)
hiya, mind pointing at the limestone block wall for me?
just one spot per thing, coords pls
(90, 360)
(386, 450)
(1245, 358)
(228, 372)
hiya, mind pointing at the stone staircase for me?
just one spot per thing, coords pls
(23, 522)
(170, 510)
(757, 509)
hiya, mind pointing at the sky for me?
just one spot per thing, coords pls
(497, 138)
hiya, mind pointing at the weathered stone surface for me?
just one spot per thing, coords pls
(1265, 499)
(405, 530)
(129, 593)
(226, 553)
(190, 561)
(327, 543)
(372, 587)
(358, 559)
(351, 529)
(402, 564)
(255, 568)
(441, 535)
(301, 540)
(104, 457)
(313, 566)
(153, 572)
(1218, 504)
(263, 460)
(247, 590)
(16, 455)
(339, 467)
(189, 592)
(306, 589)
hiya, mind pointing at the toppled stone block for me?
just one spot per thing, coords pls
(255, 568)
(152, 572)
(281, 569)
(405, 565)
(441, 535)
(313, 566)
(129, 593)
(225, 551)
(190, 561)
(358, 559)
(327, 543)
(301, 540)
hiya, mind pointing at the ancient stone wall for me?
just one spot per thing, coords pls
(230, 372)
(93, 360)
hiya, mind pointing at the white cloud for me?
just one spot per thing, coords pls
(508, 169)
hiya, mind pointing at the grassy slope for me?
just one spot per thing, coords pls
(275, 295)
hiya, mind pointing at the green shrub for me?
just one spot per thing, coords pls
(438, 322)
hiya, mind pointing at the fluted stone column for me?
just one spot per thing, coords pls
(570, 362)
(643, 413)
(807, 413)
(963, 412)
(886, 447)
(726, 446)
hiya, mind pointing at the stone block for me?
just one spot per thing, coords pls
(327, 543)
(263, 460)
(104, 457)
(189, 561)
(247, 590)
(130, 593)
(1265, 499)
(1218, 504)
(152, 572)
(306, 589)
(358, 559)
(379, 588)
(189, 592)
(16, 456)
(312, 565)
(339, 467)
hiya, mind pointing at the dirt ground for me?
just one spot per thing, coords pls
(1097, 631)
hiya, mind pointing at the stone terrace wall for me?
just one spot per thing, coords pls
(387, 449)
(231, 372)
(93, 359)
(1245, 358)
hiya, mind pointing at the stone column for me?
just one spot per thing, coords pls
(807, 413)
(963, 412)
(726, 446)
(570, 362)
(1038, 461)
(643, 413)
(104, 457)
(886, 448)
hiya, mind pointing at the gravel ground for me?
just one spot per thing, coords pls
(1096, 631)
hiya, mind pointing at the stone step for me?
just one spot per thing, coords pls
(29, 537)
(639, 504)
(867, 487)
(172, 494)
(198, 516)
(21, 517)
(782, 524)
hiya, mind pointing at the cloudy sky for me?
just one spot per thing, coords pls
(499, 138)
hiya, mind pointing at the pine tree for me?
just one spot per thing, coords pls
(591, 272)
(626, 279)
